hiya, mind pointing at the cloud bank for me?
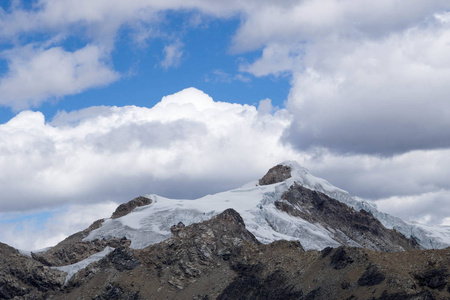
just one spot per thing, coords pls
(185, 146)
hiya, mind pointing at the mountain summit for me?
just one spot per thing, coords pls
(247, 243)
(274, 208)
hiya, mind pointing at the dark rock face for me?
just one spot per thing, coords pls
(372, 276)
(423, 295)
(326, 251)
(249, 285)
(433, 278)
(181, 267)
(123, 259)
(340, 259)
(126, 208)
(73, 249)
(24, 278)
(344, 221)
(276, 174)
(112, 292)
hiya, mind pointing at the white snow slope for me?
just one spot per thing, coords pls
(151, 224)
(74, 268)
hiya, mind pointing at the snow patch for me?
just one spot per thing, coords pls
(74, 268)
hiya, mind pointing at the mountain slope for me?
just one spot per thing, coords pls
(260, 205)
(289, 235)
(220, 259)
(347, 226)
(26, 278)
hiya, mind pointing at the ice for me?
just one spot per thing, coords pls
(74, 268)
(151, 223)
(429, 237)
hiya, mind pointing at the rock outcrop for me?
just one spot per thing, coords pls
(349, 227)
(73, 249)
(22, 277)
(220, 259)
(276, 174)
(126, 208)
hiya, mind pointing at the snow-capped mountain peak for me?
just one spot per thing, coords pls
(266, 213)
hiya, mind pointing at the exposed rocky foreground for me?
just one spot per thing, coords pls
(220, 259)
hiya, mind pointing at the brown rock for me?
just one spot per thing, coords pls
(347, 224)
(276, 174)
(126, 208)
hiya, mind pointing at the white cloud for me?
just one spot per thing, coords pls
(186, 145)
(35, 74)
(376, 177)
(265, 106)
(41, 231)
(422, 207)
(368, 77)
(172, 55)
(293, 22)
(38, 73)
(284, 30)
(377, 97)
(275, 60)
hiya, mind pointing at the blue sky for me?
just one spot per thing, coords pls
(206, 63)
(102, 101)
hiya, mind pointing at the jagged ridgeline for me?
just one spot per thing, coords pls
(289, 235)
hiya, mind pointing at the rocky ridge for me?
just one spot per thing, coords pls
(73, 249)
(126, 208)
(24, 278)
(220, 258)
(349, 227)
(276, 174)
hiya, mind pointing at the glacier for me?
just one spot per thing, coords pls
(74, 268)
(151, 224)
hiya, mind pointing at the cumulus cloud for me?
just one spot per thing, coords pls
(187, 145)
(382, 97)
(265, 106)
(368, 78)
(35, 74)
(295, 22)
